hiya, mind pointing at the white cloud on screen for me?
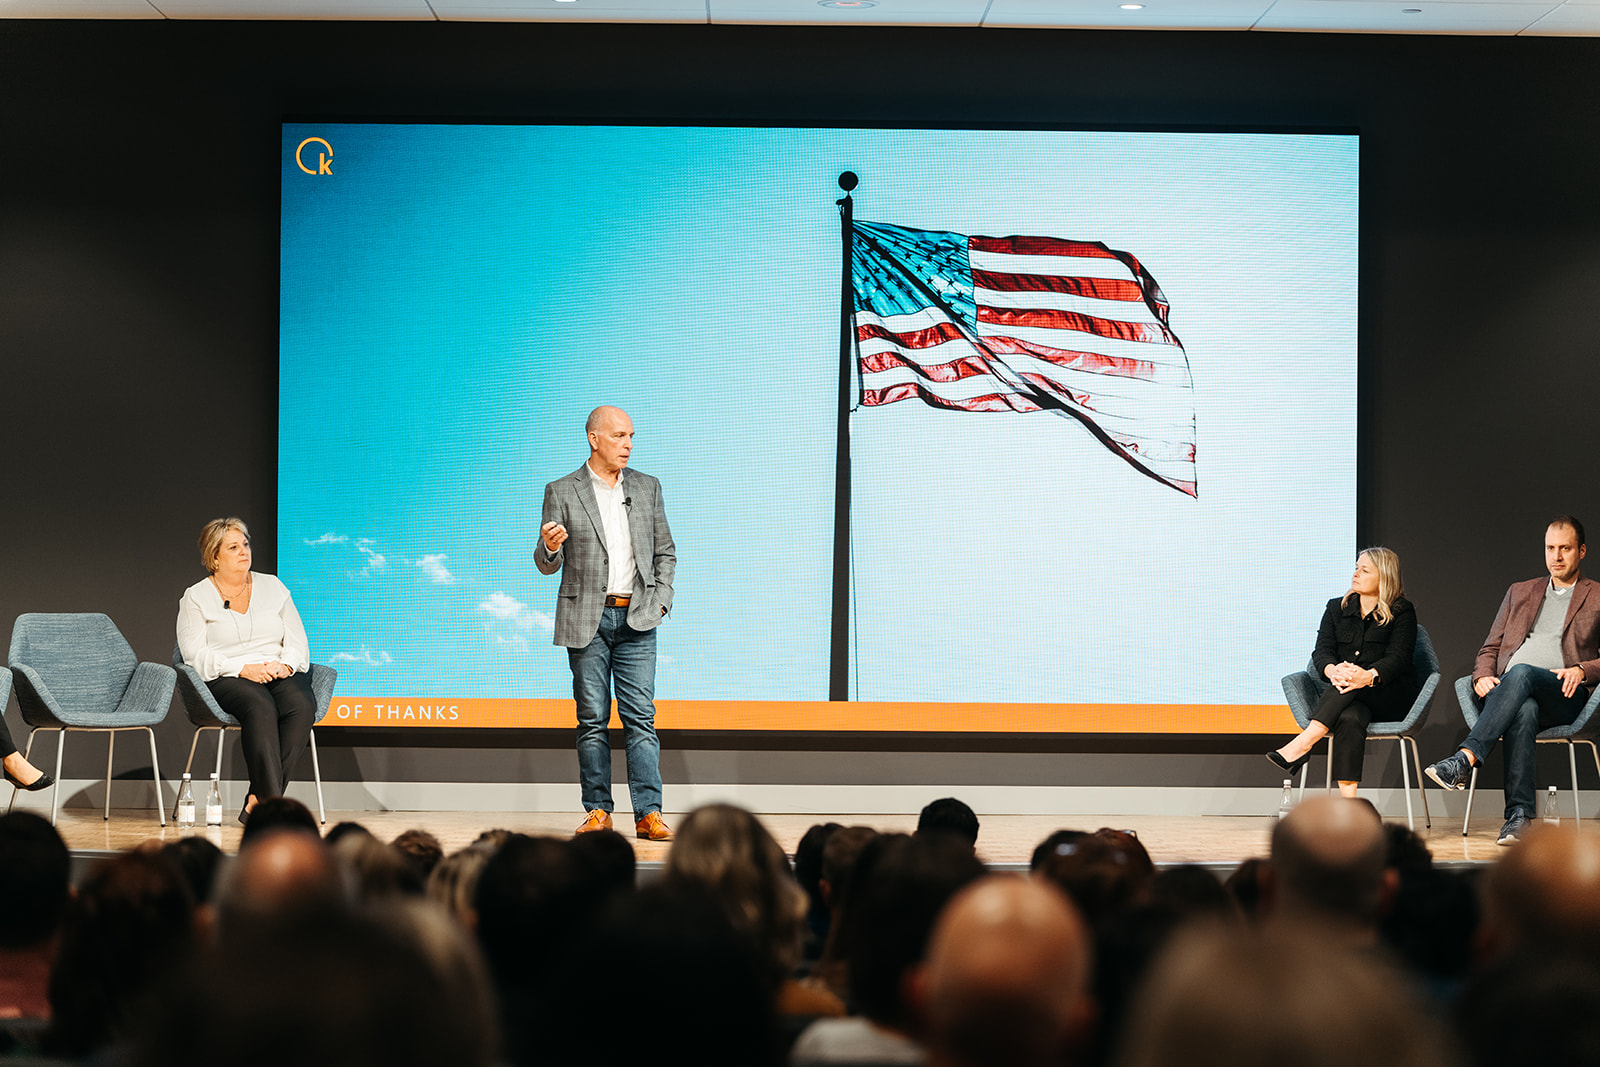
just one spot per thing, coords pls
(511, 621)
(433, 566)
(365, 655)
(327, 539)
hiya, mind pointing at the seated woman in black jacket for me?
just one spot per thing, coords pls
(1364, 648)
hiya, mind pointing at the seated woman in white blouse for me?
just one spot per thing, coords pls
(241, 632)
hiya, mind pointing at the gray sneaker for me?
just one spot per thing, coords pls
(1451, 772)
(1513, 830)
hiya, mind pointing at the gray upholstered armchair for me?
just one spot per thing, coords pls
(76, 672)
(1302, 689)
(206, 714)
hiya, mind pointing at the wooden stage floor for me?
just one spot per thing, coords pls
(1005, 841)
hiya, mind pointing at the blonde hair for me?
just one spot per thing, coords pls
(726, 851)
(211, 536)
(1390, 585)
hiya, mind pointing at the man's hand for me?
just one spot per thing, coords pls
(554, 535)
(1484, 684)
(1571, 678)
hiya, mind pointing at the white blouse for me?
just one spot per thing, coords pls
(218, 641)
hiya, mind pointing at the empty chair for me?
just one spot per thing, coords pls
(76, 672)
(1585, 724)
(1302, 689)
(206, 714)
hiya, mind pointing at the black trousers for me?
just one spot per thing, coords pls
(7, 746)
(277, 717)
(1347, 715)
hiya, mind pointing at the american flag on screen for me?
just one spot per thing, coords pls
(1025, 324)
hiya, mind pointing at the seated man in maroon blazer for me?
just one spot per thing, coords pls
(1544, 646)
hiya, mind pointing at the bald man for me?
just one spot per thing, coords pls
(605, 529)
(1006, 979)
(1328, 868)
(1544, 894)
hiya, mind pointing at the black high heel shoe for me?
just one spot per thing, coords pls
(44, 781)
(1284, 765)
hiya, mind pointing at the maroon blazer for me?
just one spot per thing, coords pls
(1580, 636)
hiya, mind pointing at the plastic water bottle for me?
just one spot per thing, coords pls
(1550, 813)
(1288, 798)
(214, 803)
(186, 804)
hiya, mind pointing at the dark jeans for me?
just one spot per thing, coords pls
(1527, 700)
(623, 658)
(1347, 715)
(276, 717)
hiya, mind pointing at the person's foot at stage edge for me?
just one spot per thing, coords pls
(1513, 830)
(597, 819)
(16, 771)
(1451, 772)
(653, 827)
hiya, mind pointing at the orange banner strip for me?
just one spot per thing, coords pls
(830, 716)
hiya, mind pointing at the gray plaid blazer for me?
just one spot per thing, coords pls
(582, 559)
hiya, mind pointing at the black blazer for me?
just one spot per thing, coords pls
(1345, 636)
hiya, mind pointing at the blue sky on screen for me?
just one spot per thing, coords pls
(456, 298)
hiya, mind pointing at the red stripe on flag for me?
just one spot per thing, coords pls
(1092, 362)
(911, 390)
(936, 334)
(1038, 246)
(1099, 288)
(1054, 319)
(954, 371)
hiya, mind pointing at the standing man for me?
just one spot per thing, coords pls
(1534, 671)
(605, 528)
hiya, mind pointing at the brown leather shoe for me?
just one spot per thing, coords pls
(598, 819)
(653, 828)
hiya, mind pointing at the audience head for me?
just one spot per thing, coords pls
(725, 850)
(533, 903)
(278, 813)
(1545, 893)
(377, 871)
(340, 830)
(902, 885)
(279, 873)
(1190, 891)
(1237, 996)
(613, 867)
(1101, 874)
(453, 884)
(840, 858)
(1006, 980)
(35, 877)
(808, 861)
(396, 984)
(127, 934)
(1328, 864)
(1244, 885)
(1404, 851)
(421, 850)
(200, 861)
(948, 815)
(1053, 845)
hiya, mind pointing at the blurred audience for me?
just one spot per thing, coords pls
(948, 815)
(35, 874)
(1329, 869)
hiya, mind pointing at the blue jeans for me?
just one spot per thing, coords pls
(1527, 700)
(623, 657)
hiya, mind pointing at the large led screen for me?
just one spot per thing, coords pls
(1101, 410)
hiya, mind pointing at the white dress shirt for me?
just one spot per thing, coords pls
(218, 641)
(619, 540)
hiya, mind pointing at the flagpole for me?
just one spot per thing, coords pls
(839, 645)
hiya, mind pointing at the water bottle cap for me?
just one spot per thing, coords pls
(1288, 782)
(186, 774)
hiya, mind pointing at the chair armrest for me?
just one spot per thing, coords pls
(5, 688)
(323, 678)
(148, 697)
(199, 705)
(1300, 690)
(1585, 725)
(1419, 707)
(1471, 706)
(38, 704)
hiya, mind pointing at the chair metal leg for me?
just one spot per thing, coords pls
(111, 744)
(1405, 781)
(1422, 794)
(1472, 789)
(1595, 752)
(316, 772)
(155, 772)
(55, 790)
(1328, 784)
(1572, 761)
(1305, 769)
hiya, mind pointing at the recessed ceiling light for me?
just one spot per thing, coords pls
(847, 3)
